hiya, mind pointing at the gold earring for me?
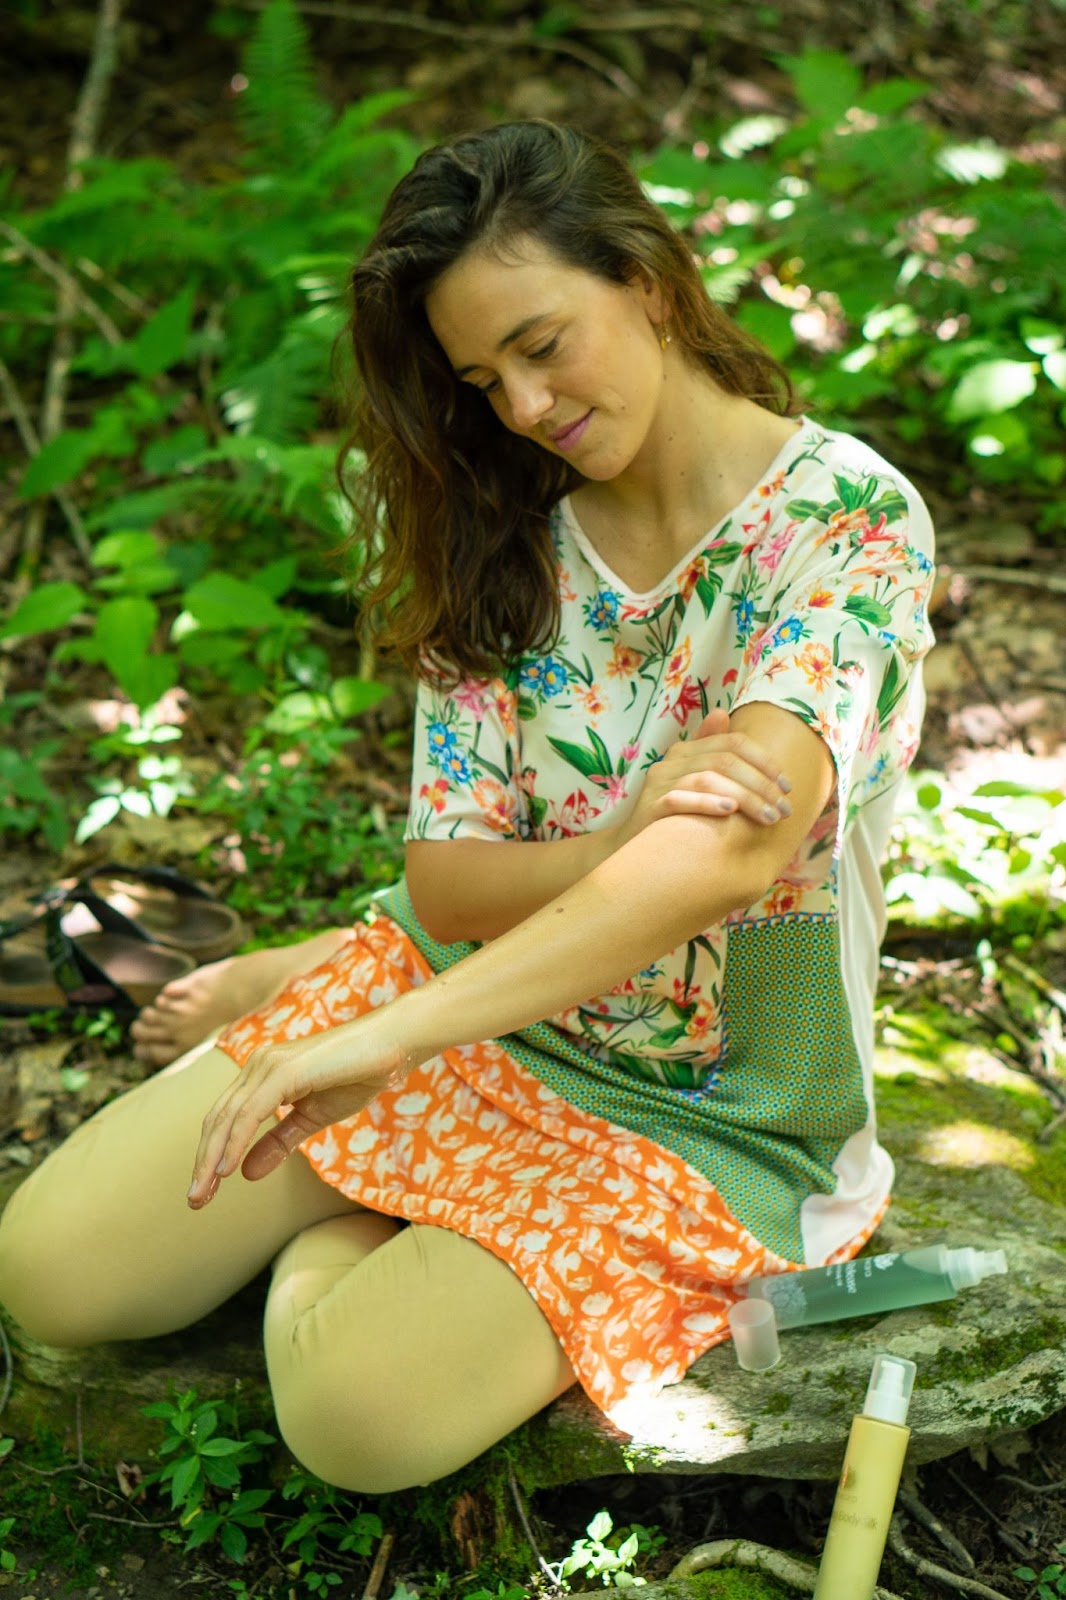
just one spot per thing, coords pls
(664, 338)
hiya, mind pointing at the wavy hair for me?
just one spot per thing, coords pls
(458, 574)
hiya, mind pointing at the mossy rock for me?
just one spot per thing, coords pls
(971, 1170)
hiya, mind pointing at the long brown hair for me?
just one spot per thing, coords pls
(459, 575)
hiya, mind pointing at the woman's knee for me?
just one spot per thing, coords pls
(359, 1436)
(36, 1286)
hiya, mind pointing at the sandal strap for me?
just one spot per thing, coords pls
(162, 877)
(81, 979)
(110, 919)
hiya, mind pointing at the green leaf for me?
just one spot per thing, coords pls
(991, 386)
(893, 685)
(222, 1447)
(175, 450)
(128, 548)
(708, 588)
(888, 98)
(161, 343)
(186, 1481)
(867, 609)
(1054, 365)
(124, 628)
(294, 713)
(1042, 338)
(99, 814)
(970, 163)
(588, 762)
(220, 602)
(44, 610)
(58, 461)
(825, 82)
(351, 696)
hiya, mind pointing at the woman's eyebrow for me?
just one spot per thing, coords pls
(509, 338)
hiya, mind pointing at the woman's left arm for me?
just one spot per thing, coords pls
(677, 877)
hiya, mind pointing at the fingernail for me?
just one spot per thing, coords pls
(784, 808)
(784, 783)
(771, 814)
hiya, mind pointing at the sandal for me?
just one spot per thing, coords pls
(166, 908)
(113, 967)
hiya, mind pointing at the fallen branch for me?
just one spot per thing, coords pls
(757, 1558)
(930, 1569)
(377, 1571)
(521, 37)
(921, 1513)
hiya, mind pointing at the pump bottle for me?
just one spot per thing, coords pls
(874, 1283)
(873, 1461)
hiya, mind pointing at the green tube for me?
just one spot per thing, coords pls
(874, 1284)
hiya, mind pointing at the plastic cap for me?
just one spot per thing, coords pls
(967, 1266)
(754, 1328)
(889, 1396)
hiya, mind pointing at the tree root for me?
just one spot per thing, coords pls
(758, 1558)
(930, 1569)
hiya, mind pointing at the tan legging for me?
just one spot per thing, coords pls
(395, 1354)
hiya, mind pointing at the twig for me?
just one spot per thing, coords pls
(516, 37)
(132, 302)
(1032, 580)
(516, 1496)
(28, 434)
(131, 1522)
(1038, 981)
(377, 1571)
(1004, 1533)
(66, 281)
(1035, 1488)
(758, 1557)
(921, 1513)
(930, 1569)
(84, 127)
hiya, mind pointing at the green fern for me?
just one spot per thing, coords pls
(284, 117)
(279, 398)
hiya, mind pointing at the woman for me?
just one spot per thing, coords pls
(668, 639)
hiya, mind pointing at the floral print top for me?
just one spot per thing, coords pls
(812, 595)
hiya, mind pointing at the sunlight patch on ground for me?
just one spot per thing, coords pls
(971, 1144)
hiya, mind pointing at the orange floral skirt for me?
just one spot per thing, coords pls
(630, 1253)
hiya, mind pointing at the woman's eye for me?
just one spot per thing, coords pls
(488, 388)
(545, 351)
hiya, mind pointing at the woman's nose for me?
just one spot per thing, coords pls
(530, 400)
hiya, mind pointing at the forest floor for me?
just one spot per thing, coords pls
(997, 681)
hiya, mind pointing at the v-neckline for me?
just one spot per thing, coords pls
(598, 564)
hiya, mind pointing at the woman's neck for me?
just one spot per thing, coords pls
(705, 453)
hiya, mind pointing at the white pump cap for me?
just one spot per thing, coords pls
(889, 1396)
(967, 1266)
(754, 1328)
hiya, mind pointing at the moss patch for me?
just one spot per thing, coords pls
(970, 1112)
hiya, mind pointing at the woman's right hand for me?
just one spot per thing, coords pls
(713, 774)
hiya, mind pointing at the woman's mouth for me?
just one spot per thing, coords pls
(568, 437)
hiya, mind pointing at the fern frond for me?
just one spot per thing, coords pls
(279, 398)
(284, 117)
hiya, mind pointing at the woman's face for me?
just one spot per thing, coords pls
(563, 358)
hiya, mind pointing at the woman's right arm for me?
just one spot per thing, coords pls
(477, 889)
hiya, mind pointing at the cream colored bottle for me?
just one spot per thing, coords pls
(873, 1461)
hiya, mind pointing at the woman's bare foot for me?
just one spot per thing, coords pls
(189, 1008)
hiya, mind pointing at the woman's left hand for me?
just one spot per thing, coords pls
(324, 1079)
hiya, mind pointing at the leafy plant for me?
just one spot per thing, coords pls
(597, 1555)
(997, 853)
(204, 1472)
(1050, 1584)
(205, 372)
(8, 1559)
(904, 276)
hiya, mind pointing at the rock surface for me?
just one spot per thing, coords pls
(991, 1361)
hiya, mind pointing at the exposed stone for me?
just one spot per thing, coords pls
(990, 1362)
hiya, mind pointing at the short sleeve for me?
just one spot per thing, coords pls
(464, 764)
(845, 629)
